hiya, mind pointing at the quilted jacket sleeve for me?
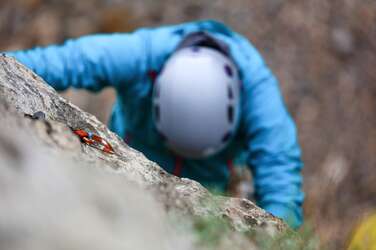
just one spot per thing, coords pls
(91, 62)
(274, 152)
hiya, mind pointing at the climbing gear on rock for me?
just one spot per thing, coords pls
(88, 138)
(94, 140)
(196, 101)
(39, 115)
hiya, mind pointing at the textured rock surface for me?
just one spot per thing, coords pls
(49, 200)
(22, 92)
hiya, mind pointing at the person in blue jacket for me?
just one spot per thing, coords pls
(195, 98)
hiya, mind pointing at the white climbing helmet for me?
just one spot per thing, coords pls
(196, 101)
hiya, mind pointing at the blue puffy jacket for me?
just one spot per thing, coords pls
(266, 138)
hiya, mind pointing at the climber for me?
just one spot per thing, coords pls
(197, 98)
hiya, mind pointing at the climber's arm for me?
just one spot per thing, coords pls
(274, 153)
(91, 62)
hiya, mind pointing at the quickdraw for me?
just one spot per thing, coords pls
(94, 140)
(88, 138)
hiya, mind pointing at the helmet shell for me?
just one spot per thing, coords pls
(196, 100)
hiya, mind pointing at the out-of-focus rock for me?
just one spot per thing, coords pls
(50, 201)
(44, 147)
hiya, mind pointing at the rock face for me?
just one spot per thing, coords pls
(50, 146)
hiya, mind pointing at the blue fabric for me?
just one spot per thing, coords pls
(266, 138)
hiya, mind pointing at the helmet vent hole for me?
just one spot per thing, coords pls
(229, 92)
(228, 70)
(226, 137)
(157, 113)
(230, 113)
(195, 49)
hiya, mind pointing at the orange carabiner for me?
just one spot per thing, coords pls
(94, 140)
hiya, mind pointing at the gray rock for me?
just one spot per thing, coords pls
(24, 141)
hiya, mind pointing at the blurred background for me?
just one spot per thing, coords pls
(323, 53)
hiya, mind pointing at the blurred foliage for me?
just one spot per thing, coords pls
(212, 231)
(322, 51)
